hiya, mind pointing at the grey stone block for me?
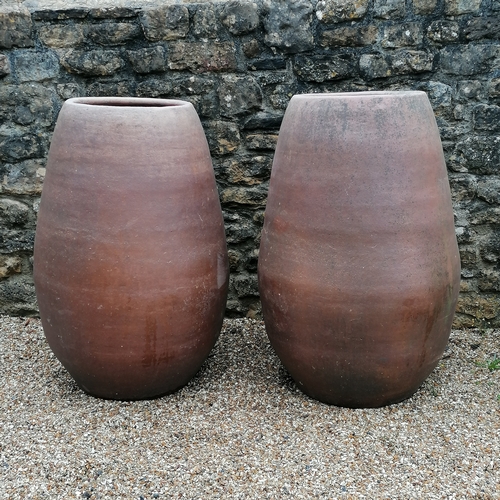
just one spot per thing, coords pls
(193, 84)
(374, 66)
(69, 90)
(458, 7)
(402, 35)
(13, 213)
(112, 33)
(34, 65)
(282, 94)
(239, 95)
(154, 88)
(124, 88)
(324, 68)
(467, 59)
(355, 36)
(4, 65)
(264, 120)
(405, 62)
(17, 296)
(28, 104)
(240, 17)
(24, 178)
(246, 170)
(223, 137)
(246, 285)
(463, 187)
(9, 265)
(205, 21)
(17, 144)
(254, 196)
(261, 141)
(443, 31)
(15, 26)
(478, 154)
(469, 89)
(267, 63)
(148, 60)
(165, 23)
(484, 215)
(489, 280)
(93, 62)
(402, 62)
(490, 249)
(112, 12)
(240, 232)
(200, 57)
(288, 25)
(424, 7)
(61, 36)
(440, 94)
(56, 10)
(494, 87)
(389, 9)
(12, 240)
(482, 27)
(486, 117)
(251, 48)
(337, 11)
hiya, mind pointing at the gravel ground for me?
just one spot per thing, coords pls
(241, 429)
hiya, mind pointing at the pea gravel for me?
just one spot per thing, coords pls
(241, 429)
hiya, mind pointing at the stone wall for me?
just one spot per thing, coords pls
(239, 62)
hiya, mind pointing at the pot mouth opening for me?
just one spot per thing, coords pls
(367, 93)
(127, 102)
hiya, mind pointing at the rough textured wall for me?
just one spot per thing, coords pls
(239, 62)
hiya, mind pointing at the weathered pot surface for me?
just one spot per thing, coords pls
(359, 268)
(131, 268)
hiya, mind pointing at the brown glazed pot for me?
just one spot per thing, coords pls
(359, 267)
(131, 268)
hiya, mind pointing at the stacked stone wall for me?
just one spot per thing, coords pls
(239, 63)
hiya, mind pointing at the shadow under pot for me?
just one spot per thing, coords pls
(359, 267)
(130, 266)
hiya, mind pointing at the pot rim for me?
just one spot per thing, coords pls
(127, 102)
(367, 93)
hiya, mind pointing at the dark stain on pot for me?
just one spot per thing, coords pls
(150, 355)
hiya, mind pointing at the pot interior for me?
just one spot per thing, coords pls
(132, 102)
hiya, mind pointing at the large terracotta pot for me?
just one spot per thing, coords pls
(359, 266)
(131, 268)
